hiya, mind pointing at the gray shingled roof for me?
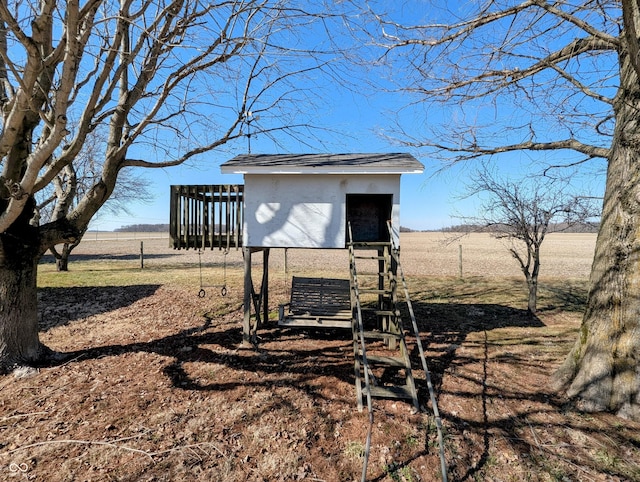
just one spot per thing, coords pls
(395, 163)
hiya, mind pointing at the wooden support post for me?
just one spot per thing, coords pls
(286, 265)
(248, 338)
(384, 320)
(259, 302)
(174, 229)
(264, 289)
(393, 286)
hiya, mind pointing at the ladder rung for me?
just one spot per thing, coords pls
(379, 335)
(374, 291)
(381, 312)
(369, 244)
(391, 361)
(391, 392)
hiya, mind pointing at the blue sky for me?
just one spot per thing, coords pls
(348, 122)
(428, 200)
(356, 120)
(432, 200)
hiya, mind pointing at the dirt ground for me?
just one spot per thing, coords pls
(156, 386)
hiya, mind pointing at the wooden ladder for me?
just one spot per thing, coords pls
(382, 364)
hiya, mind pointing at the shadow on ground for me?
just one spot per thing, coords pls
(281, 349)
(60, 306)
(494, 416)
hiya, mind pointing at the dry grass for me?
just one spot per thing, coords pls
(423, 254)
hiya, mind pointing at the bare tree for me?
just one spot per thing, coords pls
(70, 185)
(523, 211)
(543, 76)
(166, 80)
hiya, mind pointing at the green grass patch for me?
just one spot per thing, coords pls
(128, 273)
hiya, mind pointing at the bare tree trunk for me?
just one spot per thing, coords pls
(62, 263)
(19, 342)
(532, 305)
(602, 372)
(62, 256)
(532, 281)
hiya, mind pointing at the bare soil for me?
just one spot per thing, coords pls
(156, 385)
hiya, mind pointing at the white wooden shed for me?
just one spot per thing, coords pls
(306, 200)
(309, 200)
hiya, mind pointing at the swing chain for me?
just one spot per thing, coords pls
(223, 291)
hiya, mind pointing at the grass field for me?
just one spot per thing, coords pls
(431, 254)
(156, 385)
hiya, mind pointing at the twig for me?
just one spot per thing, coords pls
(577, 467)
(122, 439)
(4, 419)
(182, 447)
(535, 437)
(82, 442)
(71, 360)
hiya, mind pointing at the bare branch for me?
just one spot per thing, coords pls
(176, 77)
(474, 151)
(550, 65)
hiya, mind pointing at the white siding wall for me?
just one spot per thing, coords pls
(307, 211)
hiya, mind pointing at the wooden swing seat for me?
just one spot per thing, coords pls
(317, 302)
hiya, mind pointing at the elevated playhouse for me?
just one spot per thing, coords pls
(320, 201)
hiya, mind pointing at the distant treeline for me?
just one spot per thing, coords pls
(459, 228)
(164, 228)
(143, 228)
(553, 228)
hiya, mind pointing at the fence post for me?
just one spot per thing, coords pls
(286, 267)
(141, 254)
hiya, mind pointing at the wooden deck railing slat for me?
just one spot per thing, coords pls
(206, 216)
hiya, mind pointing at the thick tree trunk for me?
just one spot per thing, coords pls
(602, 372)
(19, 342)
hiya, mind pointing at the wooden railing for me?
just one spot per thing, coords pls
(206, 216)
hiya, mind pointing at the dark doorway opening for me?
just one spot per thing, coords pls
(368, 215)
